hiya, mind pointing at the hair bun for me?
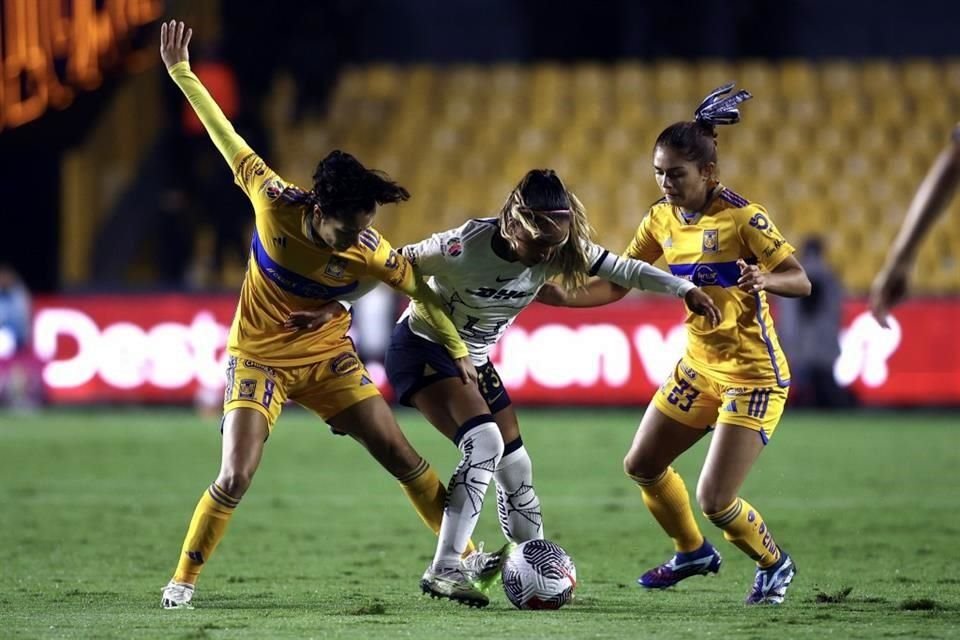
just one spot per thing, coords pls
(716, 109)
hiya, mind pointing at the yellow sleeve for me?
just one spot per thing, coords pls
(644, 245)
(388, 265)
(250, 172)
(228, 142)
(762, 237)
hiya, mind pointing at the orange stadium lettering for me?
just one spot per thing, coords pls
(50, 49)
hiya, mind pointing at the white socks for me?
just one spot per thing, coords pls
(482, 448)
(517, 503)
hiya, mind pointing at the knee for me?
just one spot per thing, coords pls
(638, 465)
(235, 482)
(712, 499)
(484, 442)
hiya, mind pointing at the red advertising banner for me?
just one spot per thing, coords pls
(169, 348)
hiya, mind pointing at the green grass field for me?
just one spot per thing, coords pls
(94, 505)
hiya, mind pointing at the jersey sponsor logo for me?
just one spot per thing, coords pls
(273, 188)
(705, 275)
(772, 249)
(336, 267)
(399, 274)
(251, 364)
(736, 391)
(688, 371)
(711, 243)
(759, 221)
(345, 364)
(668, 242)
(453, 247)
(393, 260)
(280, 242)
(246, 389)
(499, 294)
(499, 279)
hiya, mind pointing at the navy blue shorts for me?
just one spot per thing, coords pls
(413, 363)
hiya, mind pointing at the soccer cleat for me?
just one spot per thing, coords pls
(770, 585)
(454, 584)
(704, 560)
(485, 568)
(177, 595)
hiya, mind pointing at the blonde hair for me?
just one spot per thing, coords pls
(550, 203)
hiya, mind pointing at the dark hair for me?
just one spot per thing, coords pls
(342, 185)
(542, 190)
(696, 140)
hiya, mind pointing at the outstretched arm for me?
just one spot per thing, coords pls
(174, 42)
(929, 202)
(596, 293)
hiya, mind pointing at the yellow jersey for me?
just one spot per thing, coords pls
(705, 247)
(290, 269)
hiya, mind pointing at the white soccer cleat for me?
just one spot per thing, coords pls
(454, 584)
(177, 595)
(485, 568)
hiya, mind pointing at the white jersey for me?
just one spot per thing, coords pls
(484, 293)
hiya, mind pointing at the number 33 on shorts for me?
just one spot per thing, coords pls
(691, 397)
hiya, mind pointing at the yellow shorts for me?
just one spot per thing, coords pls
(326, 387)
(692, 398)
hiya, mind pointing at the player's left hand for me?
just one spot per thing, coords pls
(889, 289)
(314, 318)
(752, 280)
(468, 372)
(702, 304)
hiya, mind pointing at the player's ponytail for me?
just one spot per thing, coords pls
(540, 200)
(341, 185)
(696, 140)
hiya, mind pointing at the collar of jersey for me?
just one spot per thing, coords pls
(696, 216)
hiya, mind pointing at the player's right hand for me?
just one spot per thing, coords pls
(468, 373)
(174, 40)
(314, 318)
(702, 304)
(889, 289)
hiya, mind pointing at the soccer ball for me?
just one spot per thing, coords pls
(538, 574)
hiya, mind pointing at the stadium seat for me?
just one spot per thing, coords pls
(822, 145)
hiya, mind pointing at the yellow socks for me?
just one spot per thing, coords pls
(743, 526)
(428, 495)
(207, 527)
(667, 499)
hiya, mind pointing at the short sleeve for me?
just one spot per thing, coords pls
(386, 263)
(428, 256)
(762, 238)
(644, 245)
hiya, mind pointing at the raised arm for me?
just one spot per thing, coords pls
(929, 202)
(174, 42)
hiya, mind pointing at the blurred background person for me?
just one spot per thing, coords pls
(21, 386)
(810, 332)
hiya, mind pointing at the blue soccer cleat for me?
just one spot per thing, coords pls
(704, 560)
(770, 585)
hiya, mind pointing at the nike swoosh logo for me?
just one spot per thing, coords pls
(499, 279)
